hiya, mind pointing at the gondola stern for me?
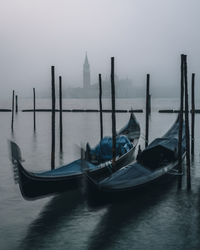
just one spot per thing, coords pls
(15, 152)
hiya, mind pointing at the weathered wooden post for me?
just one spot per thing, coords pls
(34, 116)
(147, 112)
(193, 114)
(187, 130)
(100, 107)
(16, 104)
(53, 117)
(13, 104)
(181, 124)
(60, 108)
(113, 110)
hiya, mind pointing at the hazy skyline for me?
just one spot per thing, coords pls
(144, 36)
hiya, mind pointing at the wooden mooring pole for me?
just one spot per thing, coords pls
(187, 130)
(53, 117)
(34, 115)
(147, 112)
(60, 114)
(113, 110)
(192, 114)
(13, 104)
(100, 107)
(181, 124)
(149, 103)
(16, 104)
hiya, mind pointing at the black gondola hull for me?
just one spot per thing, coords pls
(34, 187)
(97, 196)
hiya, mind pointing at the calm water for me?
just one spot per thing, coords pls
(168, 219)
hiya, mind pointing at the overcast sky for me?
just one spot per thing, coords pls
(145, 36)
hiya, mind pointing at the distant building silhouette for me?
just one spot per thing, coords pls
(86, 73)
(123, 87)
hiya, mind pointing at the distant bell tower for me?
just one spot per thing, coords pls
(86, 73)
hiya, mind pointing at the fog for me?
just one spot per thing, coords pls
(144, 36)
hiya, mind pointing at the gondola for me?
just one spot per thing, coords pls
(154, 165)
(36, 185)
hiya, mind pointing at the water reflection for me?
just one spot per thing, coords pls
(61, 158)
(121, 213)
(59, 209)
(186, 219)
(34, 141)
(198, 215)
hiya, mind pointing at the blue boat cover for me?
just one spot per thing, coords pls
(103, 151)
